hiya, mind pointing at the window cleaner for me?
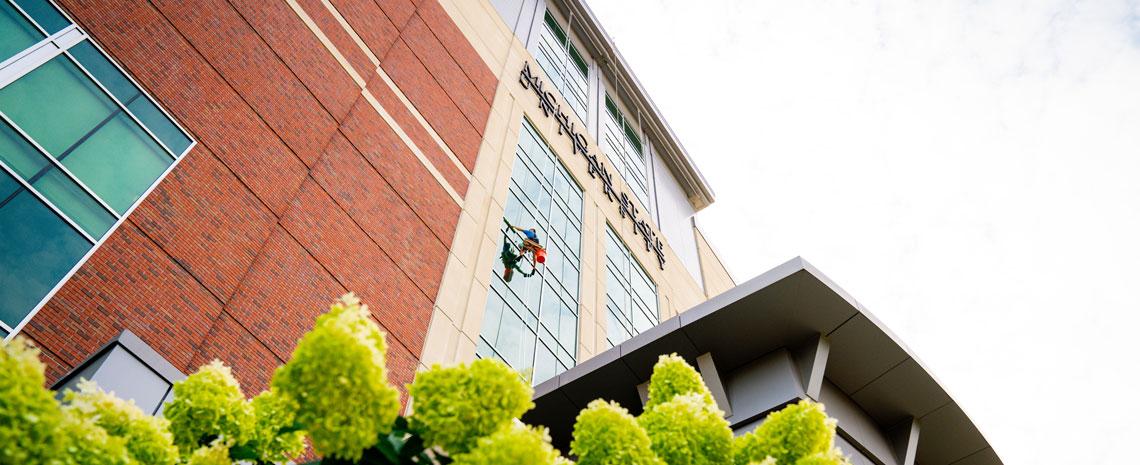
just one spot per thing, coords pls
(529, 245)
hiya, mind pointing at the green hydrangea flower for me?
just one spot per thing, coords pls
(272, 412)
(515, 444)
(208, 405)
(606, 434)
(672, 376)
(29, 416)
(148, 438)
(797, 431)
(455, 406)
(217, 453)
(85, 443)
(688, 431)
(338, 379)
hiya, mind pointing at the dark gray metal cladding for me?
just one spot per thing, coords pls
(788, 334)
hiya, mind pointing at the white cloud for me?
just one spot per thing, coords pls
(969, 170)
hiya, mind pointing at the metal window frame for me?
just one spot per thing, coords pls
(624, 274)
(549, 287)
(33, 58)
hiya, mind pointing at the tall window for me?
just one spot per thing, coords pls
(531, 323)
(565, 66)
(80, 144)
(631, 297)
(621, 142)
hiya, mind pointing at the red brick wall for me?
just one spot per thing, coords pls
(297, 192)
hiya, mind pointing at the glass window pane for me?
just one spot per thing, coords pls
(568, 329)
(19, 155)
(77, 105)
(161, 125)
(57, 187)
(536, 311)
(123, 89)
(37, 248)
(106, 72)
(545, 366)
(67, 196)
(16, 32)
(45, 14)
(118, 162)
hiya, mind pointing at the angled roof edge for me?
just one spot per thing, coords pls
(631, 360)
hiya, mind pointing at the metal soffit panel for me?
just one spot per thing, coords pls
(777, 309)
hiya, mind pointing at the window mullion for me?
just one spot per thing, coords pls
(60, 166)
(47, 202)
(126, 110)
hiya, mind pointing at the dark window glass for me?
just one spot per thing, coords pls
(45, 15)
(37, 248)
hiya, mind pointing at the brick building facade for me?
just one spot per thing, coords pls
(303, 183)
(327, 146)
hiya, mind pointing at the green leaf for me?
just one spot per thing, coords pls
(243, 452)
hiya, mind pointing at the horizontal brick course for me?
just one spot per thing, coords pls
(232, 47)
(387, 219)
(129, 283)
(207, 221)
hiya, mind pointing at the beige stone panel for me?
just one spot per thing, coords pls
(441, 341)
(477, 203)
(463, 246)
(488, 253)
(493, 223)
(453, 288)
(465, 351)
(503, 180)
(476, 306)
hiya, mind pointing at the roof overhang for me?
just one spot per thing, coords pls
(776, 310)
(611, 62)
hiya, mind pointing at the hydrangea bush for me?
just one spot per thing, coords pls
(799, 434)
(671, 377)
(338, 378)
(454, 407)
(606, 434)
(208, 406)
(334, 393)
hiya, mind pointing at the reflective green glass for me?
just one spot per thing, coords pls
(56, 105)
(158, 123)
(52, 183)
(118, 162)
(123, 89)
(106, 72)
(45, 15)
(18, 154)
(74, 202)
(37, 248)
(16, 33)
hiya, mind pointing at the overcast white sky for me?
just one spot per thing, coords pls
(967, 170)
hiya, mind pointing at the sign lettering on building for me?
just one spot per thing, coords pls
(596, 168)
